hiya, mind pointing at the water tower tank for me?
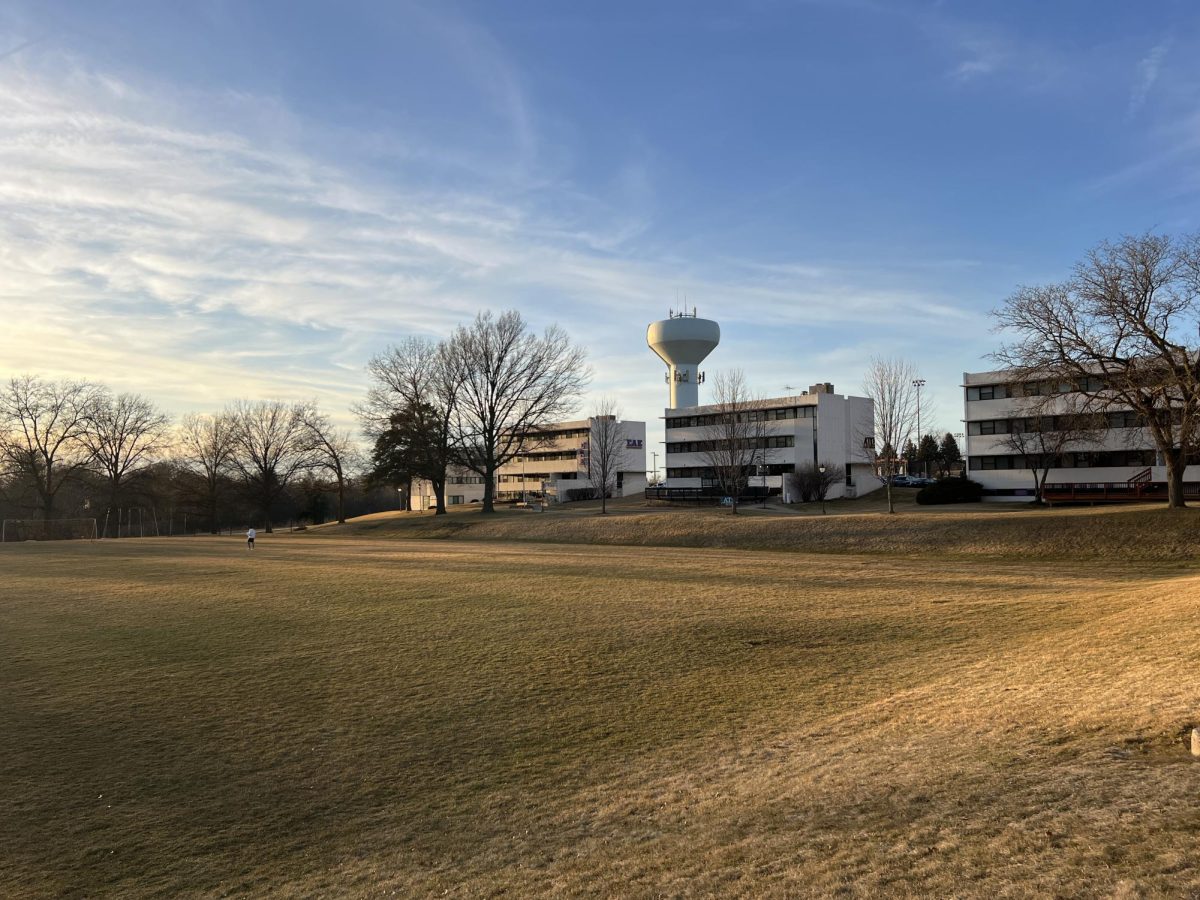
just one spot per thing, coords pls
(682, 341)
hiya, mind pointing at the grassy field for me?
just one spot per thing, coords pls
(344, 715)
(1146, 533)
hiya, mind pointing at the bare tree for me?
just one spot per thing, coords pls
(1043, 437)
(413, 399)
(735, 441)
(513, 384)
(206, 447)
(889, 383)
(332, 450)
(42, 429)
(812, 482)
(124, 435)
(272, 446)
(606, 452)
(1121, 333)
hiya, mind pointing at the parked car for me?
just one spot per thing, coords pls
(904, 481)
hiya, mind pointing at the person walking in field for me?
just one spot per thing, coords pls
(250, 533)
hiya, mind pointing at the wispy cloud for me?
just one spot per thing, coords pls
(981, 51)
(149, 248)
(1147, 74)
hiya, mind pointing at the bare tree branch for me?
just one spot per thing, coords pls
(889, 384)
(513, 384)
(1121, 333)
(606, 448)
(42, 429)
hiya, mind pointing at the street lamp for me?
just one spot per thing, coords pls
(821, 469)
(919, 383)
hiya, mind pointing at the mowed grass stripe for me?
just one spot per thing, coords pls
(357, 715)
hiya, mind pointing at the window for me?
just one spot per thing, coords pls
(1125, 419)
(1079, 460)
(988, 392)
(455, 499)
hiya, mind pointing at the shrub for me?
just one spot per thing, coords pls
(950, 490)
(582, 494)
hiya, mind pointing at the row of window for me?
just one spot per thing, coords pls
(755, 415)
(537, 476)
(465, 479)
(706, 472)
(772, 442)
(1083, 460)
(559, 435)
(1126, 418)
(548, 456)
(1032, 389)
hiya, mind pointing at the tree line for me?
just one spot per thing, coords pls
(474, 401)
(78, 448)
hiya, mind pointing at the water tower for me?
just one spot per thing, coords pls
(682, 341)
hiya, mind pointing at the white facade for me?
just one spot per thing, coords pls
(554, 465)
(991, 403)
(818, 427)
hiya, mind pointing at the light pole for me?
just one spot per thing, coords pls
(654, 457)
(919, 383)
(959, 436)
(821, 469)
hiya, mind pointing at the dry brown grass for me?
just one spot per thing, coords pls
(360, 717)
(998, 531)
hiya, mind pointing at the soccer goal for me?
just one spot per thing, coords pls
(48, 530)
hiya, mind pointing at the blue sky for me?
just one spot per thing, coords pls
(218, 199)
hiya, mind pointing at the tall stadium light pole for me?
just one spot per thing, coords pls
(919, 383)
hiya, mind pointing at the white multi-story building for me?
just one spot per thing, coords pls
(553, 468)
(994, 408)
(817, 427)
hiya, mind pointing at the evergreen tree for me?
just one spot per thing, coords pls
(927, 452)
(948, 453)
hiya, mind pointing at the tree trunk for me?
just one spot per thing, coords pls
(1175, 466)
(891, 504)
(439, 497)
(48, 496)
(112, 502)
(341, 500)
(489, 491)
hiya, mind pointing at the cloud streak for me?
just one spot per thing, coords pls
(1147, 74)
(163, 254)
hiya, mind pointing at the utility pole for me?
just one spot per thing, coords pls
(919, 383)
(654, 474)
